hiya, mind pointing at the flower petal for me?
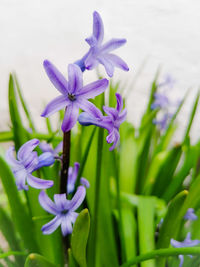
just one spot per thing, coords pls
(77, 199)
(75, 77)
(45, 147)
(55, 105)
(109, 67)
(70, 118)
(45, 159)
(93, 89)
(91, 59)
(84, 182)
(11, 159)
(31, 161)
(90, 108)
(66, 225)
(112, 45)
(114, 138)
(117, 62)
(86, 119)
(112, 112)
(60, 201)
(51, 226)
(20, 179)
(27, 148)
(98, 28)
(47, 204)
(72, 176)
(56, 77)
(58, 148)
(119, 102)
(38, 183)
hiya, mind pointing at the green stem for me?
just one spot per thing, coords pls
(12, 253)
(97, 194)
(166, 252)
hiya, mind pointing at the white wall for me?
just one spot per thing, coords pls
(161, 32)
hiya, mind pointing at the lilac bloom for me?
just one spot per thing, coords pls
(45, 147)
(190, 215)
(111, 122)
(161, 101)
(63, 209)
(186, 243)
(163, 122)
(100, 53)
(74, 95)
(28, 161)
(72, 177)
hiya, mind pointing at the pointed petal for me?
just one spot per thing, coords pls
(72, 216)
(84, 182)
(50, 227)
(58, 148)
(86, 119)
(38, 183)
(91, 60)
(77, 199)
(109, 67)
(181, 257)
(98, 28)
(75, 77)
(113, 138)
(56, 77)
(112, 112)
(60, 201)
(46, 159)
(90, 108)
(31, 161)
(92, 41)
(70, 118)
(55, 105)
(117, 62)
(45, 147)
(11, 159)
(93, 89)
(112, 45)
(119, 102)
(27, 148)
(20, 179)
(72, 176)
(122, 117)
(66, 225)
(47, 204)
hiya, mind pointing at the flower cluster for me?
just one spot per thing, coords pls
(74, 96)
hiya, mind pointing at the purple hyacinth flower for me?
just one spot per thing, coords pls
(111, 122)
(63, 209)
(100, 53)
(162, 123)
(72, 177)
(28, 161)
(190, 215)
(161, 101)
(74, 95)
(186, 243)
(46, 147)
(168, 81)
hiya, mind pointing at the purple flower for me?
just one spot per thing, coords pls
(27, 162)
(162, 123)
(45, 147)
(186, 243)
(73, 94)
(63, 209)
(190, 215)
(100, 53)
(111, 122)
(161, 101)
(72, 177)
(169, 81)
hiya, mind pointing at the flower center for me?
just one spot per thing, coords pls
(64, 212)
(71, 97)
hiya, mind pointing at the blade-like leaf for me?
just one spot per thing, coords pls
(36, 260)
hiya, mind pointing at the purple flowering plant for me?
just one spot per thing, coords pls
(92, 191)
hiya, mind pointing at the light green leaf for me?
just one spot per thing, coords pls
(36, 260)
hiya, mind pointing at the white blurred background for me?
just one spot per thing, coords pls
(159, 33)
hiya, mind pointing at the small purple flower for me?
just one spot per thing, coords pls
(73, 95)
(162, 123)
(63, 209)
(186, 243)
(45, 147)
(111, 122)
(72, 177)
(161, 101)
(100, 53)
(190, 215)
(27, 162)
(169, 81)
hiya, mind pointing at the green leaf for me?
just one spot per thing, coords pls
(20, 217)
(80, 237)
(36, 260)
(71, 260)
(146, 213)
(20, 135)
(6, 136)
(8, 231)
